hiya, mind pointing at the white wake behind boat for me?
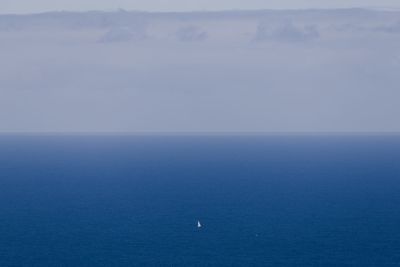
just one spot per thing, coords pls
(198, 224)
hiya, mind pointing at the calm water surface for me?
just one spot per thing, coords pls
(262, 201)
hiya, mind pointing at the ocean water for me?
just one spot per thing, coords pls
(262, 201)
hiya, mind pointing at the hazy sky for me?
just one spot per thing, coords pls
(264, 72)
(28, 6)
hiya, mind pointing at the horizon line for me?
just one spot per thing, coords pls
(193, 133)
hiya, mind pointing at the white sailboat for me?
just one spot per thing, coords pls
(198, 224)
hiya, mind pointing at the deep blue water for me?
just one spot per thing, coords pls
(263, 201)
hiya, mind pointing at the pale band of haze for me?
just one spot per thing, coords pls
(262, 71)
(29, 6)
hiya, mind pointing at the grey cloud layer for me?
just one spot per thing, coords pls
(287, 32)
(228, 71)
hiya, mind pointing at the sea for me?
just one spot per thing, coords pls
(130, 200)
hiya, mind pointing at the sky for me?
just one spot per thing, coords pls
(29, 6)
(302, 71)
